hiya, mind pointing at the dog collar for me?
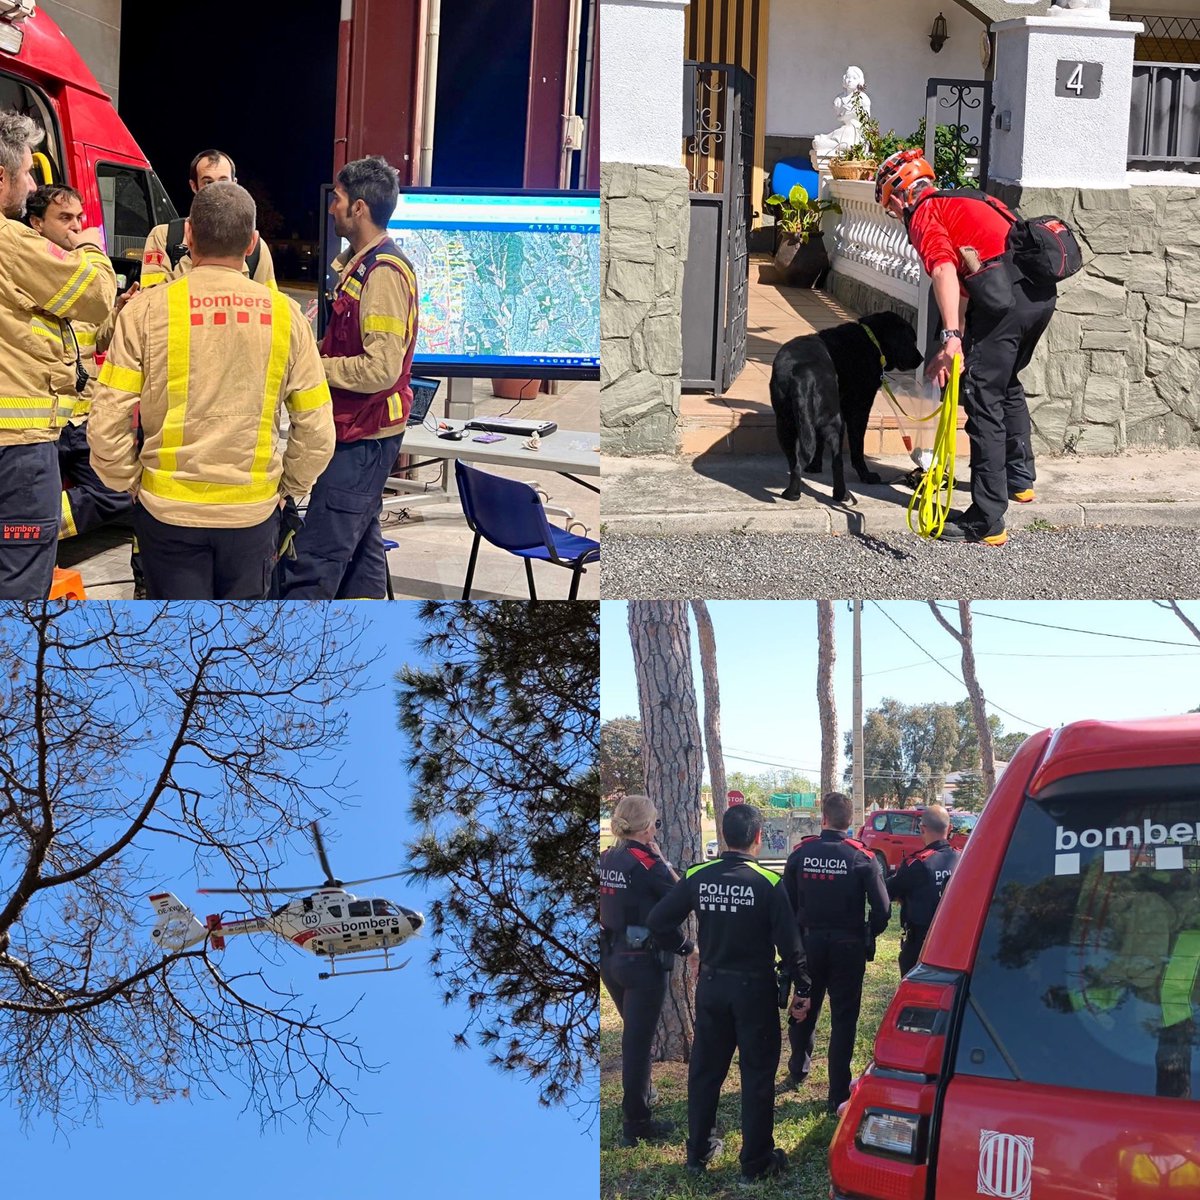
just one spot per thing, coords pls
(882, 357)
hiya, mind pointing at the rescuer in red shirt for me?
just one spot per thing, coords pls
(990, 314)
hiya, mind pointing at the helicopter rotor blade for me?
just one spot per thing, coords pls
(320, 848)
(374, 878)
(249, 891)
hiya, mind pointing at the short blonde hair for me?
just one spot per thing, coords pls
(632, 815)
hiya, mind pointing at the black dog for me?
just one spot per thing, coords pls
(825, 382)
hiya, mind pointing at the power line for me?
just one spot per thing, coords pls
(1125, 637)
(1020, 654)
(942, 666)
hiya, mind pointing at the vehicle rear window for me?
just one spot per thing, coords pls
(1088, 972)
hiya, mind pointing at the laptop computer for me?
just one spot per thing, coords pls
(423, 393)
(514, 426)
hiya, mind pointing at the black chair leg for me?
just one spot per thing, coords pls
(529, 576)
(471, 568)
(576, 575)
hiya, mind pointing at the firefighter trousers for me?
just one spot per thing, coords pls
(339, 552)
(837, 961)
(637, 984)
(734, 1011)
(30, 489)
(998, 347)
(181, 562)
(86, 502)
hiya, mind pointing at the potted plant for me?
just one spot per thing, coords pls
(800, 255)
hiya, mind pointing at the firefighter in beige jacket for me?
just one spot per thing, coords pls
(56, 212)
(166, 241)
(214, 360)
(42, 286)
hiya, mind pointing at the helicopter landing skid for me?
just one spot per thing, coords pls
(334, 973)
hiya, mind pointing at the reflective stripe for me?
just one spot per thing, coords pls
(281, 338)
(194, 491)
(379, 323)
(395, 406)
(1179, 980)
(17, 407)
(309, 398)
(69, 292)
(155, 277)
(65, 408)
(124, 379)
(46, 330)
(712, 862)
(768, 875)
(67, 519)
(87, 337)
(405, 269)
(352, 288)
(179, 344)
(83, 407)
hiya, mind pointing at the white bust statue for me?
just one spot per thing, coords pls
(849, 131)
(1092, 9)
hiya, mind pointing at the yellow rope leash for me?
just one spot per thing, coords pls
(932, 496)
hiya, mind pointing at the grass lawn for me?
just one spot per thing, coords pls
(655, 1171)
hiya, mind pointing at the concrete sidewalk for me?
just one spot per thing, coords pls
(719, 493)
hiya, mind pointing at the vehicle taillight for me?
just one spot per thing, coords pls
(880, 1150)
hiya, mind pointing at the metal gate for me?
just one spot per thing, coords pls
(718, 151)
(958, 126)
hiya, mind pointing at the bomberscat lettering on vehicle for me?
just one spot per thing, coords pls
(367, 923)
(1150, 844)
(725, 897)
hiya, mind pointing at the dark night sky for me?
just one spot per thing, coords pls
(262, 87)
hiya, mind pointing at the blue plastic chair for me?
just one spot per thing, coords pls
(510, 515)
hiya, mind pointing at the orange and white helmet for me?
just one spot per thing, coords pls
(898, 172)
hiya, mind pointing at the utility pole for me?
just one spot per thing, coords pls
(860, 792)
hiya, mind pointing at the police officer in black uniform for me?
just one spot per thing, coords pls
(744, 917)
(829, 879)
(633, 878)
(919, 881)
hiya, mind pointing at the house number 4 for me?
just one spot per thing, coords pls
(1078, 80)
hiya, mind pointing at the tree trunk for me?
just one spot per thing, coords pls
(712, 712)
(662, 656)
(826, 655)
(983, 731)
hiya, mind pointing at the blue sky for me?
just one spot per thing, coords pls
(767, 663)
(447, 1123)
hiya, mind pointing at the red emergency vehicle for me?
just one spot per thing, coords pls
(1047, 1045)
(87, 145)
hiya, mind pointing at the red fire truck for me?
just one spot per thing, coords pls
(87, 145)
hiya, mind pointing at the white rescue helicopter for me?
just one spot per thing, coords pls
(328, 922)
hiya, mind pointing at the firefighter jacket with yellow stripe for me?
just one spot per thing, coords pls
(156, 263)
(87, 341)
(368, 347)
(214, 359)
(41, 286)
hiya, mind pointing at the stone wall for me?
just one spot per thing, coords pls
(861, 297)
(643, 246)
(1120, 364)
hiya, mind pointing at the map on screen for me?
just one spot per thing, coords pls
(506, 281)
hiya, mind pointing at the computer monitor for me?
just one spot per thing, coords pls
(509, 280)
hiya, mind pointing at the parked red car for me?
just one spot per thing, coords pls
(891, 833)
(1045, 1047)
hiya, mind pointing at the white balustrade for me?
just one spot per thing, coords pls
(868, 245)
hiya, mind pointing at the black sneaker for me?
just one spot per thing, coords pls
(774, 1168)
(714, 1150)
(652, 1131)
(961, 531)
(791, 1083)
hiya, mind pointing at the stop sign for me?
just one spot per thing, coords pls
(735, 797)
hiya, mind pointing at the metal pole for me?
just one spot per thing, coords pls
(433, 34)
(859, 797)
(570, 89)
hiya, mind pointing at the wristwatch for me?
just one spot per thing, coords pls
(947, 334)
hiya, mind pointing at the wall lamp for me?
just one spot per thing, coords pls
(938, 35)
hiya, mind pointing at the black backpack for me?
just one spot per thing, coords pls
(1043, 249)
(177, 247)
